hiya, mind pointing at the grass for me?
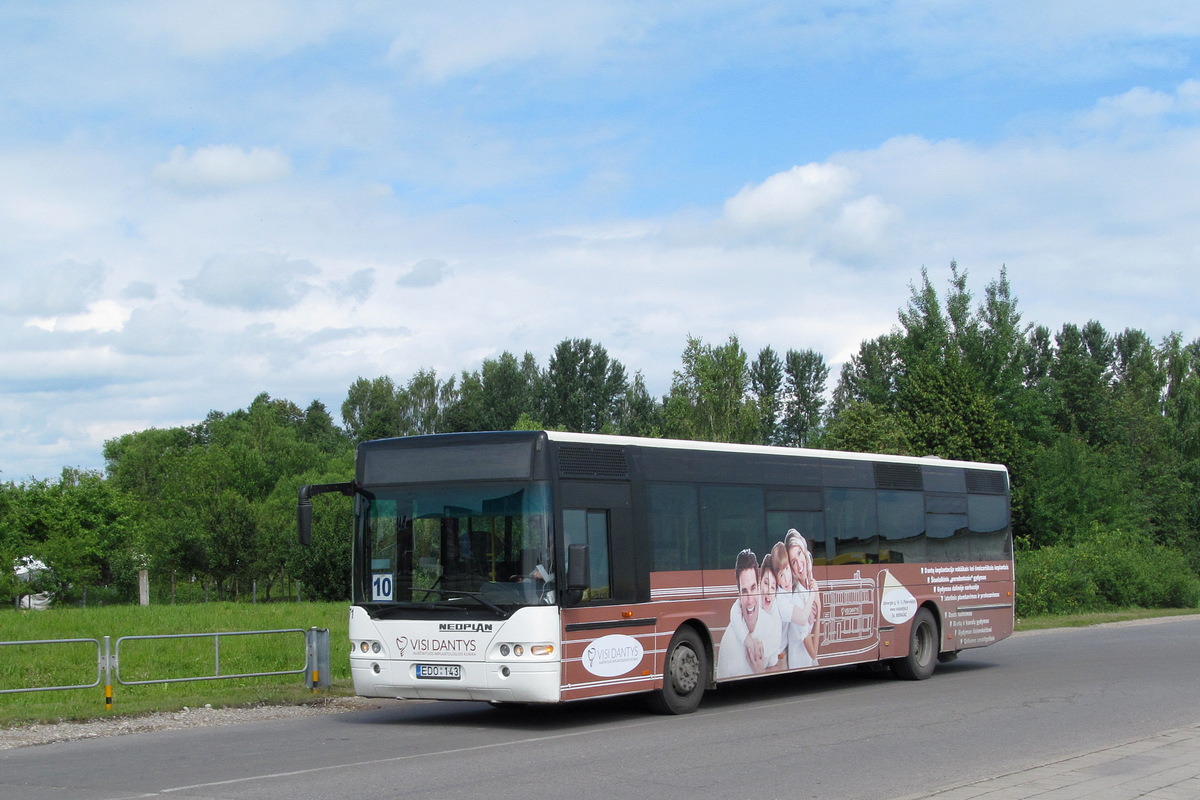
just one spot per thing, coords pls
(1100, 617)
(76, 664)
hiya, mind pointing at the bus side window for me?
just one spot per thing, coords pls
(851, 519)
(901, 526)
(674, 527)
(590, 527)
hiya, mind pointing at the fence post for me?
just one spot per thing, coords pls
(107, 660)
(318, 662)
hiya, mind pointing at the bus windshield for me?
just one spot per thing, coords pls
(455, 547)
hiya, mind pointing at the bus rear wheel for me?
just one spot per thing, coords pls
(685, 675)
(922, 649)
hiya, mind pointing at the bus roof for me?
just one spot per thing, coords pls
(724, 447)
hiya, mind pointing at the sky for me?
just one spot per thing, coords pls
(204, 201)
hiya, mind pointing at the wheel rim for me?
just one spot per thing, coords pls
(924, 644)
(685, 669)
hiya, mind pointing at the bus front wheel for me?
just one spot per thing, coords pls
(685, 675)
(922, 649)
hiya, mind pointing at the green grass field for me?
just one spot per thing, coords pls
(1100, 617)
(76, 664)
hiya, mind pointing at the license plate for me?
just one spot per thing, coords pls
(439, 672)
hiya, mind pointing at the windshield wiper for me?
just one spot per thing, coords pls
(476, 596)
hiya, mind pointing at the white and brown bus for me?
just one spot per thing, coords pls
(543, 567)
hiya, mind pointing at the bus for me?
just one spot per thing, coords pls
(545, 567)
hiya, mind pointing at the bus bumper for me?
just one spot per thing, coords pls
(491, 682)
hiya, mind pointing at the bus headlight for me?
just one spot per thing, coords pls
(513, 649)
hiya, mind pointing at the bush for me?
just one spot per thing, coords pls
(1107, 569)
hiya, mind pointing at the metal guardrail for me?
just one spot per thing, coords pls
(100, 662)
(316, 670)
(216, 637)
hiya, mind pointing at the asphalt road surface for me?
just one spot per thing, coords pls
(1026, 701)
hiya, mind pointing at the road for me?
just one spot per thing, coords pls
(1031, 699)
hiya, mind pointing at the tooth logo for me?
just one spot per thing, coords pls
(896, 603)
(611, 656)
(402, 644)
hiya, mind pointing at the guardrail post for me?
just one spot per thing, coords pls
(106, 663)
(317, 649)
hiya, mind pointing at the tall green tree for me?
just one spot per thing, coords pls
(806, 376)
(871, 375)
(640, 414)
(766, 383)
(709, 398)
(78, 526)
(494, 397)
(1081, 375)
(866, 428)
(582, 387)
(371, 409)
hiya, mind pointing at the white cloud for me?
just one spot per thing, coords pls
(425, 273)
(489, 35)
(790, 199)
(1141, 106)
(64, 288)
(357, 286)
(160, 330)
(222, 167)
(573, 195)
(140, 290)
(101, 316)
(211, 27)
(862, 226)
(251, 281)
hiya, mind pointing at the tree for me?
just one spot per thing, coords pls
(1081, 375)
(1079, 488)
(1000, 353)
(582, 387)
(318, 429)
(945, 414)
(77, 526)
(708, 399)
(766, 383)
(639, 413)
(423, 402)
(926, 331)
(493, 397)
(371, 410)
(806, 376)
(866, 428)
(871, 375)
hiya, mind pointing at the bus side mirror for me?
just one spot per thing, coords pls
(304, 521)
(304, 505)
(578, 568)
(578, 574)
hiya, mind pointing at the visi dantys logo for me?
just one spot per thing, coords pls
(610, 656)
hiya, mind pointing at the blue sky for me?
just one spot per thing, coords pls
(204, 201)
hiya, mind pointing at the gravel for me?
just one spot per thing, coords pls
(172, 720)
